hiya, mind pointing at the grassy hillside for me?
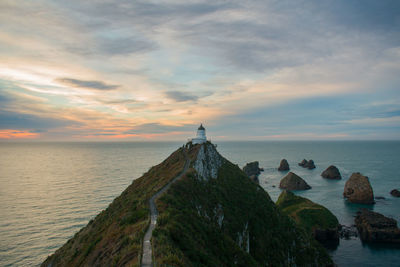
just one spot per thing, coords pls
(217, 222)
(114, 237)
(202, 222)
(306, 213)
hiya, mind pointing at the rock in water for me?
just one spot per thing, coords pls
(293, 182)
(358, 189)
(252, 170)
(316, 219)
(395, 193)
(284, 166)
(332, 172)
(303, 162)
(374, 227)
(309, 165)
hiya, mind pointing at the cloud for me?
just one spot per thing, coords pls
(96, 85)
(180, 96)
(14, 120)
(157, 128)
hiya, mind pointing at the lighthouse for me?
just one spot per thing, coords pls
(201, 136)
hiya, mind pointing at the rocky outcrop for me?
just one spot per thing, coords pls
(332, 172)
(316, 219)
(375, 227)
(208, 162)
(358, 189)
(252, 168)
(293, 182)
(347, 232)
(303, 162)
(254, 178)
(309, 164)
(284, 165)
(395, 193)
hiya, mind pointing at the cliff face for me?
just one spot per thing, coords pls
(207, 162)
(213, 216)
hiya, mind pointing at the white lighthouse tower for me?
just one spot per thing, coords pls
(201, 136)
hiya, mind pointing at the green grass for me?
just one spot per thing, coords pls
(306, 213)
(114, 237)
(188, 232)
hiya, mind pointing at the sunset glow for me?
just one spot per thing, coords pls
(154, 71)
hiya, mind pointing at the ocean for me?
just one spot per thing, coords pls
(48, 191)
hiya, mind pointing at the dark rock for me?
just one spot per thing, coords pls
(309, 165)
(274, 186)
(293, 182)
(379, 197)
(347, 232)
(254, 178)
(332, 172)
(303, 163)
(284, 166)
(375, 227)
(261, 169)
(358, 189)
(252, 168)
(395, 193)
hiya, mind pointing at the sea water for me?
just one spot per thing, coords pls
(48, 191)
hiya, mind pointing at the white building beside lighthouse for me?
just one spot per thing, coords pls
(201, 136)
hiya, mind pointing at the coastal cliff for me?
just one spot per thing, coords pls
(212, 216)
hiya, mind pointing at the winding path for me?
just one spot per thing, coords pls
(147, 260)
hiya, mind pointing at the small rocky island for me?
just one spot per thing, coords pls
(332, 172)
(252, 170)
(395, 193)
(375, 227)
(358, 189)
(309, 164)
(284, 165)
(293, 182)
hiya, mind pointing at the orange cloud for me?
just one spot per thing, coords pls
(17, 134)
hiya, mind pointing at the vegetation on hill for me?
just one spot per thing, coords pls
(222, 221)
(228, 221)
(114, 237)
(306, 213)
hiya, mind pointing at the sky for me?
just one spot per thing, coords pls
(154, 70)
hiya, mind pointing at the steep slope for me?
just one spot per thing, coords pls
(316, 219)
(114, 237)
(226, 220)
(212, 216)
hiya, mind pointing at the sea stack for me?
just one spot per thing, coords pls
(332, 172)
(395, 193)
(303, 162)
(293, 182)
(310, 165)
(375, 227)
(252, 168)
(284, 166)
(358, 189)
